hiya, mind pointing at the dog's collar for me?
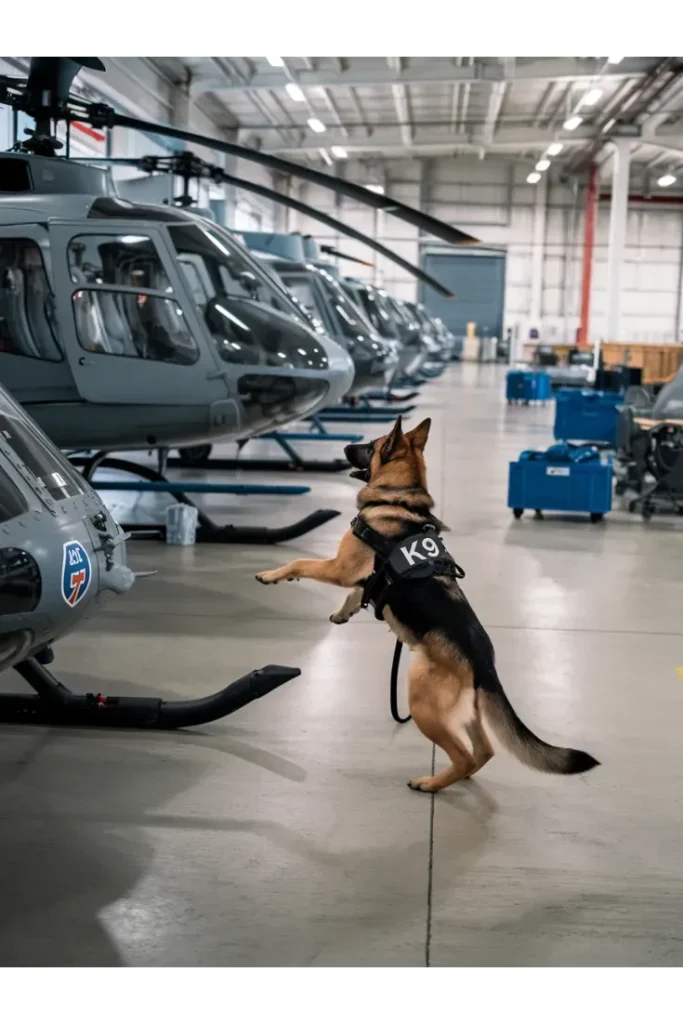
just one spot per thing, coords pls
(418, 556)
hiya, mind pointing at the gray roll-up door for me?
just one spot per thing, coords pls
(479, 286)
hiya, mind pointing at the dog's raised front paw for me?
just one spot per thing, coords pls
(266, 577)
(338, 619)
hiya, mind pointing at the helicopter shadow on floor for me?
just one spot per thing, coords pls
(62, 868)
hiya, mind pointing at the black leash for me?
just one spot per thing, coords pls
(393, 690)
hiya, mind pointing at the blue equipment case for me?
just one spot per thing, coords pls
(586, 415)
(527, 386)
(565, 478)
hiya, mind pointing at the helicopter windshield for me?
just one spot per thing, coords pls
(378, 314)
(251, 321)
(349, 317)
(39, 456)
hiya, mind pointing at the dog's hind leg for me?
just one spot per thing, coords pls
(349, 606)
(437, 705)
(481, 744)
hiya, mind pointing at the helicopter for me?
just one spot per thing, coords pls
(390, 326)
(292, 246)
(91, 282)
(62, 559)
(314, 285)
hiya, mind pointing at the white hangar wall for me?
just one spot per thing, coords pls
(491, 200)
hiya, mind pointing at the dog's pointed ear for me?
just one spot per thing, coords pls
(419, 434)
(394, 444)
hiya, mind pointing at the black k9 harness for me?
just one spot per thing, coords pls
(417, 557)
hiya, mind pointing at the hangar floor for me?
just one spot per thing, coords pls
(286, 835)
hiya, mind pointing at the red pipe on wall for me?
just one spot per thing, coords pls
(588, 240)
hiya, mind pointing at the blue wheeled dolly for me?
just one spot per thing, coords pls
(565, 478)
(527, 386)
(587, 415)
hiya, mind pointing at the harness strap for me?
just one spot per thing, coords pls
(378, 585)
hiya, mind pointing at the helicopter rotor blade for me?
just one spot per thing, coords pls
(344, 229)
(54, 75)
(219, 174)
(330, 250)
(423, 221)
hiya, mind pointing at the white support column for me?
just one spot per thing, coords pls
(617, 234)
(538, 252)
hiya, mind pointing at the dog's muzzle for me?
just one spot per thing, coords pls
(360, 456)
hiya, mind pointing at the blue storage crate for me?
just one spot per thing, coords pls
(586, 415)
(563, 479)
(527, 386)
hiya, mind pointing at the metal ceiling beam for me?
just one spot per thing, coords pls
(558, 69)
(496, 99)
(401, 103)
(385, 142)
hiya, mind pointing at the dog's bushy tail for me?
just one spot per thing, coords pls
(519, 740)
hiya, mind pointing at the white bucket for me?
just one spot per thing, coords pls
(181, 524)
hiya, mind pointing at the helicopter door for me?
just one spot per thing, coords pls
(129, 327)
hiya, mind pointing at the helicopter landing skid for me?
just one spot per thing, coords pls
(208, 532)
(292, 461)
(54, 704)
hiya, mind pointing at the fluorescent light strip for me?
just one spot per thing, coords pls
(339, 152)
(572, 122)
(543, 165)
(275, 62)
(316, 125)
(533, 178)
(295, 92)
(555, 148)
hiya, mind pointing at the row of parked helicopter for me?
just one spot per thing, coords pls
(128, 326)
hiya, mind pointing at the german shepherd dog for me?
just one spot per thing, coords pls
(453, 688)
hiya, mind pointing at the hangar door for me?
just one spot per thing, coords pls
(479, 286)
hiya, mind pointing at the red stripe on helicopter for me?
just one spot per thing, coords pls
(87, 130)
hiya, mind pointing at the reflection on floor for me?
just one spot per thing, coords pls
(286, 835)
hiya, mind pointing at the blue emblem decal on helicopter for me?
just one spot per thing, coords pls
(76, 572)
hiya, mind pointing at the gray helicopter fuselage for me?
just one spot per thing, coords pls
(389, 324)
(129, 326)
(375, 359)
(62, 556)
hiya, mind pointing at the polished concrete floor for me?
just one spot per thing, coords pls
(285, 835)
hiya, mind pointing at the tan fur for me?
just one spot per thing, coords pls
(442, 698)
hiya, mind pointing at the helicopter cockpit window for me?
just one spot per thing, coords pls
(139, 319)
(27, 316)
(377, 313)
(251, 321)
(12, 503)
(46, 463)
(349, 319)
(302, 290)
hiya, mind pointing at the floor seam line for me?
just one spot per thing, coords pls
(430, 870)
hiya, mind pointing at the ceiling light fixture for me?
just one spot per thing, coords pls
(543, 165)
(555, 148)
(590, 98)
(614, 60)
(316, 125)
(326, 157)
(572, 122)
(339, 152)
(379, 189)
(533, 178)
(275, 62)
(666, 180)
(295, 92)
